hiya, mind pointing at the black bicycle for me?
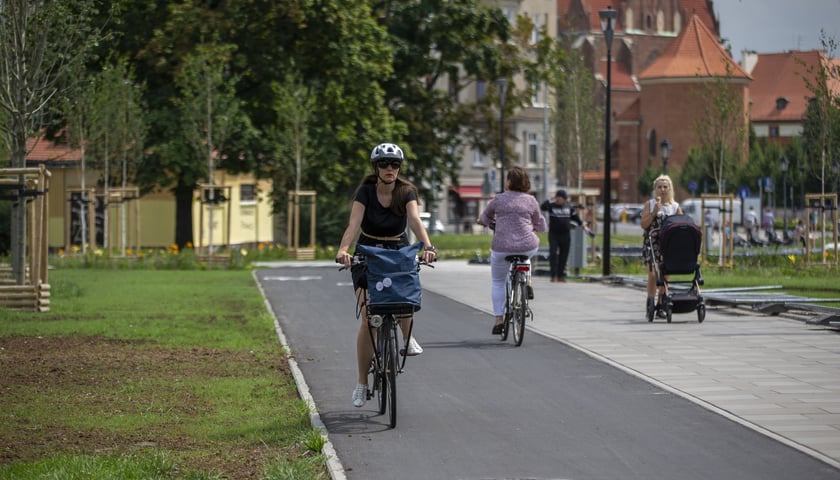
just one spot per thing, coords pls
(517, 310)
(389, 349)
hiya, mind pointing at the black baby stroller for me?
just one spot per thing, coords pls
(679, 246)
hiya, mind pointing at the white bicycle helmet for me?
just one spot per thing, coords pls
(386, 150)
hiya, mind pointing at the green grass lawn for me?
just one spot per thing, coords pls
(178, 373)
(151, 374)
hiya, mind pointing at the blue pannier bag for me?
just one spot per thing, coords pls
(393, 280)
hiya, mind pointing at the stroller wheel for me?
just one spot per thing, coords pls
(701, 313)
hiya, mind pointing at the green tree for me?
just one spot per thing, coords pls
(822, 120)
(77, 108)
(721, 127)
(117, 133)
(339, 49)
(578, 122)
(39, 44)
(209, 108)
(441, 49)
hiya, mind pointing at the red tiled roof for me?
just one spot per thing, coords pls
(703, 10)
(695, 52)
(782, 76)
(621, 78)
(43, 150)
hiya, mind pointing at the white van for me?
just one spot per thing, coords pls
(693, 208)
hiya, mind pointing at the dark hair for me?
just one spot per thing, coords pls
(518, 178)
(402, 188)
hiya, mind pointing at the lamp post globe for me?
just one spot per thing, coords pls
(608, 17)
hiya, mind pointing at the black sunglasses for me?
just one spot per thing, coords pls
(384, 163)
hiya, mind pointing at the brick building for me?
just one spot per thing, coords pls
(661, 52)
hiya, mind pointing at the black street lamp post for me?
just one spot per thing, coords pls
(608, 17)
(784, 163)
(835, 169)
(502, 84)
(665, 151)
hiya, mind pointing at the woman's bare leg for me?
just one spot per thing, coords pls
(364, 347)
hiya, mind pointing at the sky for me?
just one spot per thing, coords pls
(772, 26)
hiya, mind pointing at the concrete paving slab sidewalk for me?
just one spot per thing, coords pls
(773, 374)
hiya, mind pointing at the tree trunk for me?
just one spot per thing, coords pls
(183, 216)
(18, 220)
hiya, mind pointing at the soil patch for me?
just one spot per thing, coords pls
(92, 375)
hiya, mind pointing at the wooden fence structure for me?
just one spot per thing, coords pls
(31, 186)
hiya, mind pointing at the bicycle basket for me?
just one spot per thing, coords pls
(393, 280)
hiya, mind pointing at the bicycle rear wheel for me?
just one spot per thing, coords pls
(391, 365)
(520, 309)
(508, 310)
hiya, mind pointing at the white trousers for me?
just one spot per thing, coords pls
(498, 272)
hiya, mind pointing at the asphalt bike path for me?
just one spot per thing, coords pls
(472, 407)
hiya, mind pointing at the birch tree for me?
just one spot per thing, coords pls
(39, 41)
(210, 107)
(117, 134)
(721, 127)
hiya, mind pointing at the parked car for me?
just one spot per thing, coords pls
(633, 211)
(426, 217)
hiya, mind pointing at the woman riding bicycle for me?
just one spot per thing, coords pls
(384, 204)
(516, 215)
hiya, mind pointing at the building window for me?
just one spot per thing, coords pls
(509, 14)
(478, 159)
(532, 149)
(480, 89)
(539, 24)
(781, 103)
(247, 193)
(774, 131)
(539, 95)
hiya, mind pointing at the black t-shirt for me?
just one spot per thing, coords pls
(560, 216)
(378, 220)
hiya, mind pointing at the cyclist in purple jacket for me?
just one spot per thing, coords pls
(515, 216)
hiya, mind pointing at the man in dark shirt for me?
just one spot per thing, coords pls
(560, 216)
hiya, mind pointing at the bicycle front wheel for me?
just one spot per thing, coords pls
(391, 365)
(380, 381)
(520, 310)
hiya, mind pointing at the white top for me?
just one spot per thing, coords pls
(667, 209)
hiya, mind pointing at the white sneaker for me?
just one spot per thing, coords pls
(414, 348)
(359, 395)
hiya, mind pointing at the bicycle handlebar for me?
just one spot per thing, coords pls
(360, 260)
